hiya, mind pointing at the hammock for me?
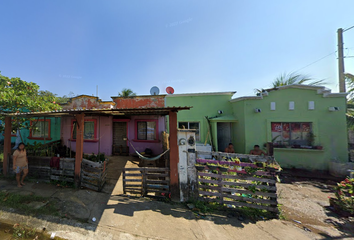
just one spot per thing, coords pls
(146, 158)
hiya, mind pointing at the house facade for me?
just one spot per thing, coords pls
(43, 130)
(110, 134)
(211, 116)
(307, 124)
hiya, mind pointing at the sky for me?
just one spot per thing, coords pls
(193, 46)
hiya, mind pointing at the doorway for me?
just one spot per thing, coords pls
(119, 134)
(223, 135)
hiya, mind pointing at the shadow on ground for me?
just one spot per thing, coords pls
(89, 209)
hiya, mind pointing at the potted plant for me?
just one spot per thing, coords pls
(259, 164)
(199, 166)
(212, 166)
(310, 138)
(223, 168)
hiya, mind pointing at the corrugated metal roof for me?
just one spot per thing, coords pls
(105, 111)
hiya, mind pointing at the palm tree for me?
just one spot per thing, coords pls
(292, 78)
(126, 92)
(349, 78)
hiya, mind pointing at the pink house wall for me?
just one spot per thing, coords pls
(102, 144)
(140, 146)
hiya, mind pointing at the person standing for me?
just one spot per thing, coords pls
(20, 164)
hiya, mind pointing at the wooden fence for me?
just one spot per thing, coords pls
(241, 185)
(93, 174)
(146, 180)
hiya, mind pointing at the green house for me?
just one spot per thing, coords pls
(307, 124)
(44, 131)
(212, 116)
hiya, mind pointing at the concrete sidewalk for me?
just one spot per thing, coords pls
(123, 217)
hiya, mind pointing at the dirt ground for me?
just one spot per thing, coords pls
(305, 203)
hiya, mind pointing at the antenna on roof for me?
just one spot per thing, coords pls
(154, 91)
(170, 90)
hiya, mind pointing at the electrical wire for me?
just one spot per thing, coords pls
(316, 61)
(344, 30)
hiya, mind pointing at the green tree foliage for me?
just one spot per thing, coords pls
(126, 92)
(18, 96)
(349, 78)
(291, 78)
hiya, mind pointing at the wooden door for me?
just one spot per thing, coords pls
(119, 133)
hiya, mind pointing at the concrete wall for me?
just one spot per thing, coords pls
(330, 128)
(203, 105)
(140, 101)
(55, 124)
(86, 102)
(102, 144)
(155, 146)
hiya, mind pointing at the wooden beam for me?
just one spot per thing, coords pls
(7, 144)
(80, 119)
(174, 156)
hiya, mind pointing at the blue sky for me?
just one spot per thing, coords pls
(193, 46)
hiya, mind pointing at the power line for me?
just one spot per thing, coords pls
(348, 28)
(316, 61)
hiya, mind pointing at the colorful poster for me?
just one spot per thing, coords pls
(276, 132)
(295, 131)
(306, 128)
(286, 131)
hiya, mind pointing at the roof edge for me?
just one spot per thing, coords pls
(200, 94)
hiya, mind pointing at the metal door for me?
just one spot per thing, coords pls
(224, 135)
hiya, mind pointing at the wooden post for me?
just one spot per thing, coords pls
(7, 145)
(174, 157)
(80, 119)
(144, 182)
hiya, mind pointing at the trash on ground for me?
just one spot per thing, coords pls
(190, 205)
(52, 236)
(297, 221)
(93, 219)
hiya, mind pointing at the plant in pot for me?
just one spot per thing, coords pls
(199, 167)
(223, 167)
(212, 166)
(343, 204)
(310, 138)
(260, 164)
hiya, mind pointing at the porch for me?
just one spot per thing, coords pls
(78, 116)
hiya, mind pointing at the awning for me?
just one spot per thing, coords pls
(225, 118)
(90, 112)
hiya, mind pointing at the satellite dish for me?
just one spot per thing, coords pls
(154, 91)
(170, 90)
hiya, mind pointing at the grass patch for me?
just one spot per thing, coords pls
(250, 213)
(20, 203)
(203, 207)
(256, 214)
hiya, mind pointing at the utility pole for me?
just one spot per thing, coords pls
(341, 61)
